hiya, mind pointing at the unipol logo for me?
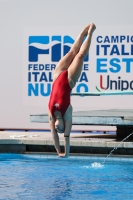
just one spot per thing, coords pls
(55, 46)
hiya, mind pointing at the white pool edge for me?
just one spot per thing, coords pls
(100, 158)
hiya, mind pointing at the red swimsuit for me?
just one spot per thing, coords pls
(60, 94)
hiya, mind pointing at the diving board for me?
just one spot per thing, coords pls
(113, 117)
(102, 93)
(121, 118)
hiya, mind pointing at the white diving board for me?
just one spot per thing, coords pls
(113, 117)
(102, 93)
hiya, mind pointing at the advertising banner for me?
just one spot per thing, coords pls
(107, 67)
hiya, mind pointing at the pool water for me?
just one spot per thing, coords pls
(25, 177)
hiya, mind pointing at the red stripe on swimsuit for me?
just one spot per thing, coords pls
(60, 94)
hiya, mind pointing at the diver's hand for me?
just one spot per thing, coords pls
(62, 155)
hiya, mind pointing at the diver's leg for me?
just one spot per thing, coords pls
(65, 62)
(75, 68)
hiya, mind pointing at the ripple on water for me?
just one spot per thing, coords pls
(97, 165)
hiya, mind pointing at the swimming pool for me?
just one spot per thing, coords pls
(40, 177)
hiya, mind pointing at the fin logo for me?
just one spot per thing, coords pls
(55, 46)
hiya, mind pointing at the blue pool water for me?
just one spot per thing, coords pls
(25, 177)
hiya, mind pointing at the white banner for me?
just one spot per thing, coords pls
(109, 65)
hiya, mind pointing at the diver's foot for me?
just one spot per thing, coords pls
(91, 29)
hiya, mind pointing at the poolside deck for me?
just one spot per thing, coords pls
(87, 143)
(22, 142)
